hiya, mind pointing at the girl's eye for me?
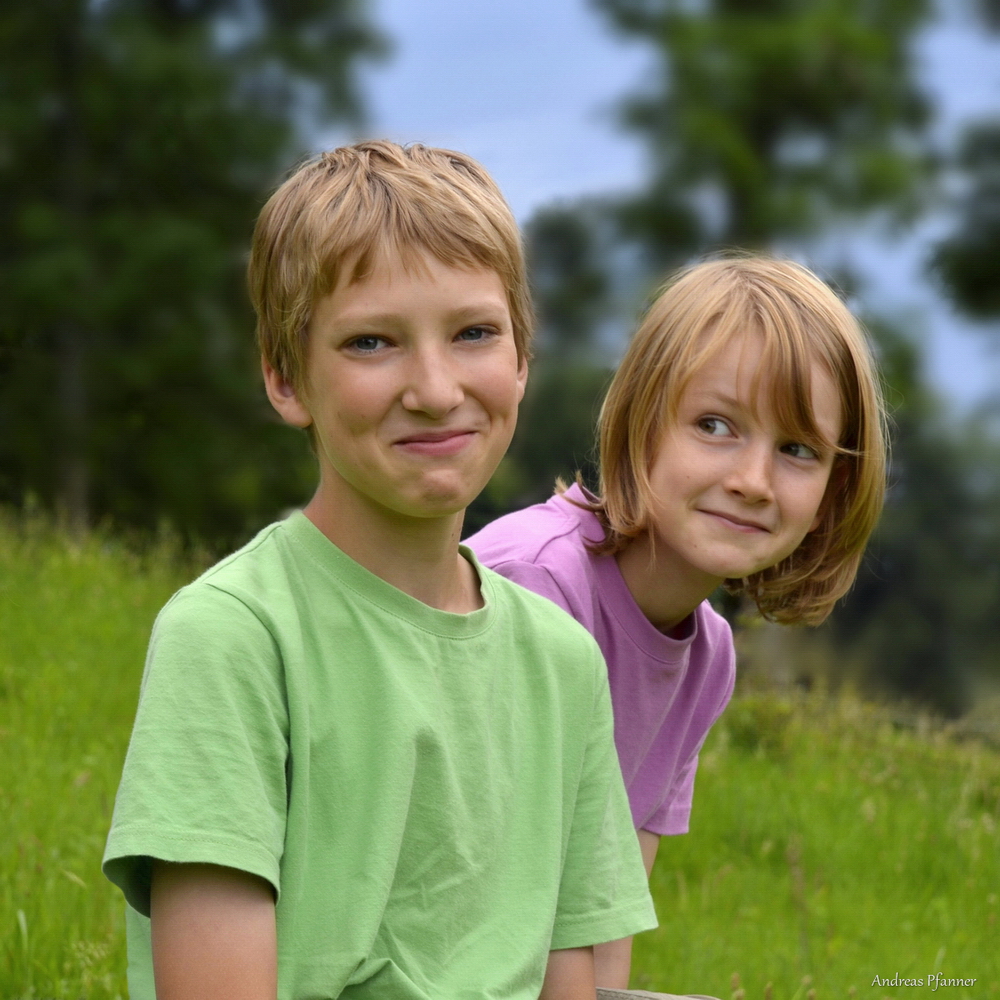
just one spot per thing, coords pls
(475, 334)
(367, 344)
(714, 426)
(798, 450)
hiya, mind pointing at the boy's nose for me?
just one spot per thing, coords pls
(432, 386)
(750, 474)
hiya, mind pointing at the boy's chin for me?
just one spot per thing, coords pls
(446, 498)
(435, 504)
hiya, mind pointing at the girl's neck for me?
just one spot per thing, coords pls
(666, 590)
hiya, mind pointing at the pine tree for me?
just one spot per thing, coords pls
(140, 138)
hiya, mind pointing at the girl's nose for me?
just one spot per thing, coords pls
(750, 476)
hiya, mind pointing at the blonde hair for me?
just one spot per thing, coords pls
(352, 204)
(694, 316)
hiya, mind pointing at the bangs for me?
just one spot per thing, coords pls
(791, 345)
(378, 220)
(375, 247)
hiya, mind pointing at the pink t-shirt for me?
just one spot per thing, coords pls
(666, 692)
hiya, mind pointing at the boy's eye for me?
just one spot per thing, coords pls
(714, 426)
(475, 334)
(798, 450)
(367, 344)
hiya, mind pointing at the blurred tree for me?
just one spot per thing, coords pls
(968, 262)
(568, 250)
(921, 617)
(924, 611)
(569, 277)
(139, 139)
(768, 118)
(990, 11)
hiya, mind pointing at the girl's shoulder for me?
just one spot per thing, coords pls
(714, 637)
(544, 548)
(556, 528)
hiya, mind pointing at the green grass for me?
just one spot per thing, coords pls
(828, 847)
(74, 621)
(825, 843)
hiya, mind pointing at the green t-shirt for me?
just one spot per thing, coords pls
(435, 797)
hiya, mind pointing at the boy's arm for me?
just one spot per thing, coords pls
(613, 959)
(213, 933)
(569, 975)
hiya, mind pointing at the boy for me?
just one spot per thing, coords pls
(362, 765)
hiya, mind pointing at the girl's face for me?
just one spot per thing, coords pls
(733, 494)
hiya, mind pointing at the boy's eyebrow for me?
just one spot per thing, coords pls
(473, 311)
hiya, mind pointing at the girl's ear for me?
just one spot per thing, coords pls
(835, 484)
(283, 397)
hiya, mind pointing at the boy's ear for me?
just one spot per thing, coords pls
(522, 378)
(283, 397)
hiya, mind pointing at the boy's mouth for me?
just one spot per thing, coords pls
(444, 442)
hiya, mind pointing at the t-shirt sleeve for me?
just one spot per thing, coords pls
(604, 894)
(205, 774)
(674, 814)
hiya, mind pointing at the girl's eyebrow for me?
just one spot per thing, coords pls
(719, 397)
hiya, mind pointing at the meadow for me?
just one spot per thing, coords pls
(831, 849)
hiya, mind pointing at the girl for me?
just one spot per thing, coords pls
(741, 443)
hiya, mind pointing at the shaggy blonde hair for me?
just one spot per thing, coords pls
(349, 206)
(801, 321)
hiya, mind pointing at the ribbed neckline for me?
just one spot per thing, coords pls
(334, 562)
(649, 639)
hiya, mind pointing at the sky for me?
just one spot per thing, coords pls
(529, 90)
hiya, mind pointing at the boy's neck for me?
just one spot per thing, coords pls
(416, 555)
(665, 593)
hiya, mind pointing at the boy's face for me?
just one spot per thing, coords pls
(412, 386)
(733, 493)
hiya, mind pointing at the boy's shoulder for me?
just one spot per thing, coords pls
(290, 566)
(287, 557)
(249, 564)
(287, 577)
(245, 577)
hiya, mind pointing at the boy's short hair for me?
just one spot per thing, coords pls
(693, 317)
(347, 206)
